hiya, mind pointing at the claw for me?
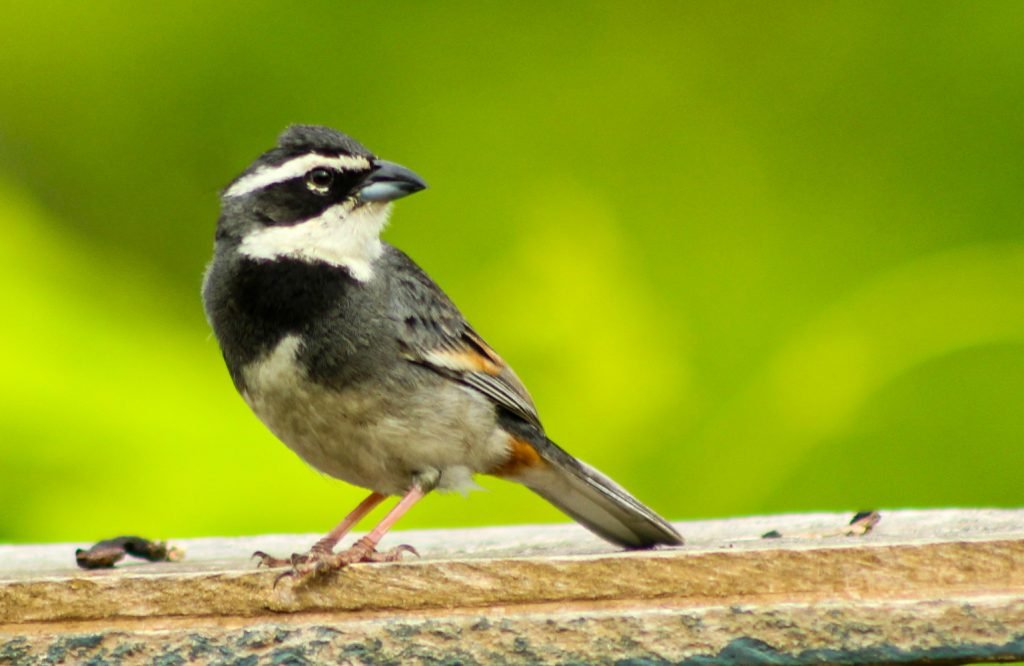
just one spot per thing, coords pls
(268, 561)
(393, 555)
(290, 573)
(406, 548)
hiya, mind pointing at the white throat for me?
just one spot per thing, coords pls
(340, 236)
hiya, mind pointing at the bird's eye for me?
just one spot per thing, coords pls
(319, 180)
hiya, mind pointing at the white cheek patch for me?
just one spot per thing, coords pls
(340, 236)
(294, 168)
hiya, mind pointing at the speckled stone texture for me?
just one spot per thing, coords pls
(923, 587)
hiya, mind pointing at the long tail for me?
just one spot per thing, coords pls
(595, 501)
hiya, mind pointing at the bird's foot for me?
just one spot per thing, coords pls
(320, 549)
(319, 562)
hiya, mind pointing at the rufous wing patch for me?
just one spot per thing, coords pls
(463, 360)
(522, 456)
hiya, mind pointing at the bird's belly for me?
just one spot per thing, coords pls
(374, 435)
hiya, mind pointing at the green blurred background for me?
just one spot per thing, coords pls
(749, 257)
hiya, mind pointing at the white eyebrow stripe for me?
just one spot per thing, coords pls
(293, 168)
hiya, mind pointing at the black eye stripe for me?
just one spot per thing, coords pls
(292, 201)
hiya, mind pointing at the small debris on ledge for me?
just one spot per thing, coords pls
(105, 554)
(861, 523)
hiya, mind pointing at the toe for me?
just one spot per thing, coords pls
(290, 573)
(395, 554)
(269, 561)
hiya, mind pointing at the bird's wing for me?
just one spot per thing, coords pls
(471, 361)
(434, 334)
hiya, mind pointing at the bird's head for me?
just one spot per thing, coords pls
(318, 196)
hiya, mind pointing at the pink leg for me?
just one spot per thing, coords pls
(327, 544)
(370, 541)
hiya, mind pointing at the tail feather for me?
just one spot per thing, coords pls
(596, 502)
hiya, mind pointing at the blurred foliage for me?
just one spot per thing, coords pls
(749, 257)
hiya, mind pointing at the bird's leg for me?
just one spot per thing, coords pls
(326, 545)
(363, 550)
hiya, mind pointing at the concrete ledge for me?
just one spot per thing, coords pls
(941, 586)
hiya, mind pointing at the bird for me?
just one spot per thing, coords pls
(356, 359)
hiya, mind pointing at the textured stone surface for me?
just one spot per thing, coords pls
(932, 586)
(783, 633)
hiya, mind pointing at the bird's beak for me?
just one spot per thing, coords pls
(389, 181)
